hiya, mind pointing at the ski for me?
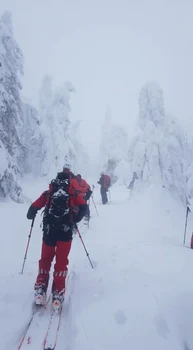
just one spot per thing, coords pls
(37, 313)
(51, 337)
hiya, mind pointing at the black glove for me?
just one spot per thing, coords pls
(88, 194)
(81, 213)
(32, 211)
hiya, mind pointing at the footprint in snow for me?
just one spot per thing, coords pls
(120, 317)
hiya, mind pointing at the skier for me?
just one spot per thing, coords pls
(75, 185)
(82, 183)
(59, 219)
(105, 183)
(87, 192)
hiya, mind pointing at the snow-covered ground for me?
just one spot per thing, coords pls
(140, 294)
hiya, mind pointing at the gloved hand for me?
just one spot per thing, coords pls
(74, 227)
(32, 211)
(82, 212)
(88, 194)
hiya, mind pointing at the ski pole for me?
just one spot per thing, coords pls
(88, 212)
(186, 221)
(109, 195)
(29, 237)
(95, 205)
(77, 230)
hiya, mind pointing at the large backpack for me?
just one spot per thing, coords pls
(107, 181)
(57, 210)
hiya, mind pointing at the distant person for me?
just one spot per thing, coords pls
(74, 183)
(131, 185)
(86, 194)
(105, 182)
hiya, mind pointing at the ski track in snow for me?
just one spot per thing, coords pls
(140, 294)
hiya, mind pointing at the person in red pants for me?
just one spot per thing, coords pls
(58, 222)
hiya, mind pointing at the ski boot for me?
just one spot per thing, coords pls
(40, 296)
(57, 301)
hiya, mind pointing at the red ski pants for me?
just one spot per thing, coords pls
(60, 251)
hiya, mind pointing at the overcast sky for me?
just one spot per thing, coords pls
(108, 49)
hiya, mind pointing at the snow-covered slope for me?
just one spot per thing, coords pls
(140, 294)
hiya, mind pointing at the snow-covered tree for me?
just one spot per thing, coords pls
(33, 139)
(78, 152)
(159, 149)
(54, 117)
(114, 145)
(11, 123)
